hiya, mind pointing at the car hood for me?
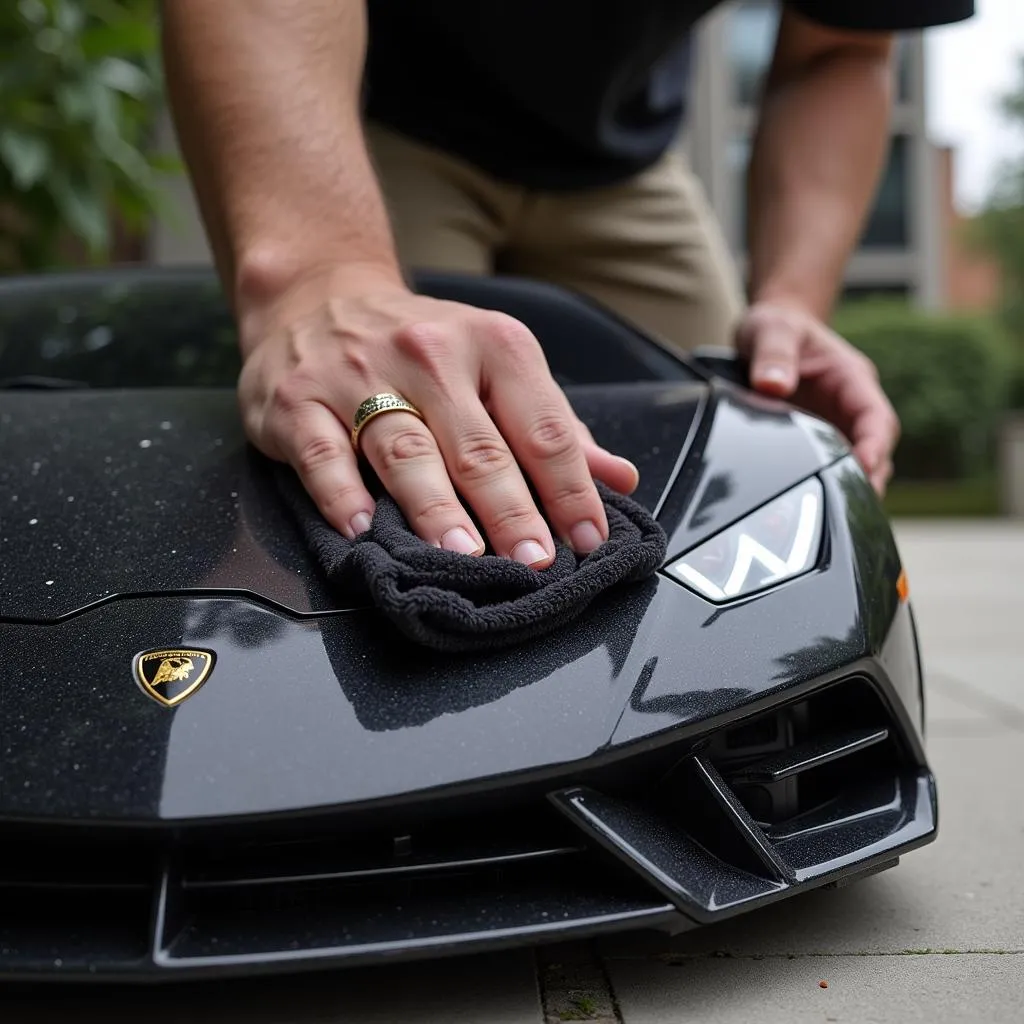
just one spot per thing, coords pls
(140, 520)
(106, 494)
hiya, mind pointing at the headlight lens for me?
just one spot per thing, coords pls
(777, 542)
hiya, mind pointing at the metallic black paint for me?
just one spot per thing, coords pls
(320, 722)
(749, 449)
(354, 712)
(155, 490)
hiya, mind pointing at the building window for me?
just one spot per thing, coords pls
(738, 157)
(866, 292)
(904, 68)
(888, 224)
(750, 40)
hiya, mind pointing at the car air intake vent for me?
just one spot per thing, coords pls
(813, 792)
(67, 898)
(342, 888)
(817, 768)
(352, 890)
(345, 854)
(770, 787)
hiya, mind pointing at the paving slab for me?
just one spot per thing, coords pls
(969, 602)
(968, 566)
(499, 989)
(960, 542)
(953, 710)
(965, 892)
(574, 985)
(995, 677)
(988, 989)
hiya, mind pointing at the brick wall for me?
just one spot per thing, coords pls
(971, 280)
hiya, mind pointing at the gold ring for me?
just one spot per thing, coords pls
(374, 406)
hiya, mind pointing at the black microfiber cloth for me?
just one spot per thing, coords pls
(453, 602)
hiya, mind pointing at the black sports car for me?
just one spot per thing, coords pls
(208, 765)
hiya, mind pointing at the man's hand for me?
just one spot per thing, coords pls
(795, 356)
(266, 95)
(493, 417)
(820, 145)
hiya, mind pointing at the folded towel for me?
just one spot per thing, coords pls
(453, 602)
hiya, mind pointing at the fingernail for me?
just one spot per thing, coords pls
(632, 468)
(460, 541)
(585, 537)
(529, 552)
(360, 523)
(774, 375)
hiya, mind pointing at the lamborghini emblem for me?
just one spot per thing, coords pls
(169, 677)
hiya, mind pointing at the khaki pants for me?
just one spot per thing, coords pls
(649, 249)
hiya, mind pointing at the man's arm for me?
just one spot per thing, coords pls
(819, 148)
(817, 155)
(265, 96)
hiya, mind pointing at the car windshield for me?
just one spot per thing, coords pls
(116, 329)
(163, 327)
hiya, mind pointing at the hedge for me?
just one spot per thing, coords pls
(948, 376)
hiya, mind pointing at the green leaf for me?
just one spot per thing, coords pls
(84, 212)
(27, 157)
(33, 11)
(126, 37)
(166, 163)
(129, 161)
(50, 40)
(114, 12)
(75, 100)
(104, 109)
(69, 16)
(123, 76)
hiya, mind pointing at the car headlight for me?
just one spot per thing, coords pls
(777, 542)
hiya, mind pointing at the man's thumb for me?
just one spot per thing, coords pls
(774, 358)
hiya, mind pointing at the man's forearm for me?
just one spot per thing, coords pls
(265, 97)
(820, 146)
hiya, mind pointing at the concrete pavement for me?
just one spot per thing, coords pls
(940, 938)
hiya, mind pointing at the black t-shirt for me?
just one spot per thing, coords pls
(554, 94)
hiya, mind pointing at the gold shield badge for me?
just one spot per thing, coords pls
(171, 676)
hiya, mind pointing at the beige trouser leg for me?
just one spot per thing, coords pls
(648, 249)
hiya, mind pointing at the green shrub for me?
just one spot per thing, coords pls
(977, 498)
(1016, 396)
(79, 81)
(948, 377)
